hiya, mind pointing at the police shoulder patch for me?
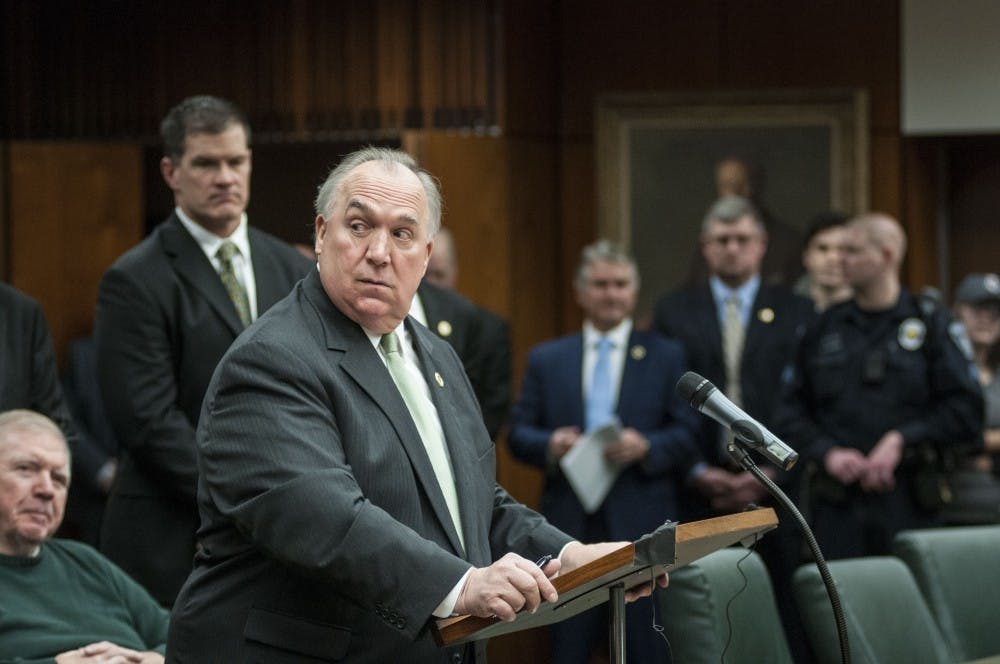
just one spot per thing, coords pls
(958, 334)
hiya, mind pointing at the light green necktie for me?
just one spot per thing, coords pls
(733, 336)
(428, 425)
(232, 282)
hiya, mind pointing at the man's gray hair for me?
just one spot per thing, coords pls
(608, 252)
(27, 421)
(391, 159)
(729, 210)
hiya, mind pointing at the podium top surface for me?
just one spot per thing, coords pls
(670, 547)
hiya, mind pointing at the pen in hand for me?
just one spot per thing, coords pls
(544, 560)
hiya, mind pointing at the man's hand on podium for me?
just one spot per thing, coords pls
(509, 585)
(514, 584)
(576, 555)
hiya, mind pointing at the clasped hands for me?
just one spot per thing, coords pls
(729, 491)
(106, 652)
(514, 584)
(631, 446)
(875, 471)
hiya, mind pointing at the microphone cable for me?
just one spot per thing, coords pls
(729, 604)
(743, 459)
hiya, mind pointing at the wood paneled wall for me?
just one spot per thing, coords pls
(973, 165)
(298, 68)
(473, 173)
(72, 209)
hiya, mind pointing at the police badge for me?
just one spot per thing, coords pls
(912, 333)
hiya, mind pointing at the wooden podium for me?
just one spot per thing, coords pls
(669, 547)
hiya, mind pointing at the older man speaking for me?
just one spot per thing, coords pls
(347, 483)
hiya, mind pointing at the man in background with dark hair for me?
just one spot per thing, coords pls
(167, 310)
(824, 281)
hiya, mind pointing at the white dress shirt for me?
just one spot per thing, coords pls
(242, 263)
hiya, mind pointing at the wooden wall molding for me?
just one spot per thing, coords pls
(301, 69)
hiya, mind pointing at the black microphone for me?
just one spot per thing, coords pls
(704, 397)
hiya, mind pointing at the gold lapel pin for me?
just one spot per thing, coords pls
(439, 379)
(766, 315)
(444, 328)
(638, 352)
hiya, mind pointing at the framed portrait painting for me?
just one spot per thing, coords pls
(659, 158)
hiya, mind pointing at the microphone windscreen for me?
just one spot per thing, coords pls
(689, 384)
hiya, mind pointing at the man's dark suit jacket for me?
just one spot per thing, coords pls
(482, 341)
(86, 501)
(164, 320)
(644, 496)
(325, 535)
(28, 375)
(777, 321)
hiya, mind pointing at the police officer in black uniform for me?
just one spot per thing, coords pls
(880, 386)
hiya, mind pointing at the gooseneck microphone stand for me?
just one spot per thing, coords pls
(741, 457)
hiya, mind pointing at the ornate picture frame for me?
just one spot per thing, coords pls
(656, 154)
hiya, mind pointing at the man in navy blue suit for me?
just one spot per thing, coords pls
(608, 372)
(740, 333)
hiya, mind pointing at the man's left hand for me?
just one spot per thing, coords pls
(630, 447)
(576, 555)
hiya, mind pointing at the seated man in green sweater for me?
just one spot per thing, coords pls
(60, 601)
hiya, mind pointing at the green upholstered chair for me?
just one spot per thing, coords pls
(693, 612)
(887, 618)
(958, 572)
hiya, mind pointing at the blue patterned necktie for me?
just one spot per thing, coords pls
(231, 280)
(600, 409)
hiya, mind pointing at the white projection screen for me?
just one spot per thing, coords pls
(950, 67)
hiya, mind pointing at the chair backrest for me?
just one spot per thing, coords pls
(887, 619)
(958, 572)
(693, 611)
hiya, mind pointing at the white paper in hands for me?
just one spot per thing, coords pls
(588, 472)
